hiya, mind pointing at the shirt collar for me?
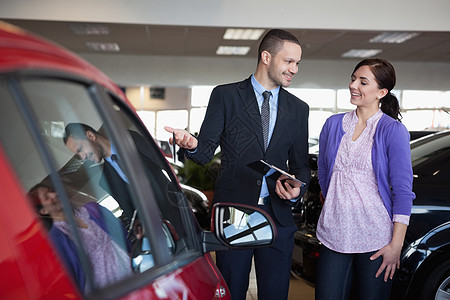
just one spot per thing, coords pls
(259, 89)
(113, 151)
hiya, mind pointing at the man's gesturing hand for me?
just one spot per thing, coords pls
(182, 138)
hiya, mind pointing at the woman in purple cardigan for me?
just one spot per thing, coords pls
(102, 236)
(365, 175)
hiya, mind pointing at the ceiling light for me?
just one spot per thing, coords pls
(393, 37)
(242, 34)
(108, 47)
(89, 29)
(362, 53)
(232, 50)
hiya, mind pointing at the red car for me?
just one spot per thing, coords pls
(62, 233)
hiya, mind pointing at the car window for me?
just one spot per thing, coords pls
(103, 230)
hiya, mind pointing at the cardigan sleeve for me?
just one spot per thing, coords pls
(400, 168)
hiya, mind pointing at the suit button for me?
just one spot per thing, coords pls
(258, 182)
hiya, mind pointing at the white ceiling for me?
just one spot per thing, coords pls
(202, 41)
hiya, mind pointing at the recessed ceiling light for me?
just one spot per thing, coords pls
(242, 34)
(393, 37)
(362, 53)
(89, 29)
(232, 50)
(107, 47)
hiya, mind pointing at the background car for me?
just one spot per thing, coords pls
(199, 205)
(43, 88)
(425, 261)
(197, 199)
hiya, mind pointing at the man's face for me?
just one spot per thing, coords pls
(87, 148)
(284, 65)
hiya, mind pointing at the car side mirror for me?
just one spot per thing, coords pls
(240, 226)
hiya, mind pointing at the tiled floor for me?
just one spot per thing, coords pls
(299, 289)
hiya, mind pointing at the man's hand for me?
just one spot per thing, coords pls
(182, 138)
(284, 190)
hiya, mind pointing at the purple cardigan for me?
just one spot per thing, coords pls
(391, 160)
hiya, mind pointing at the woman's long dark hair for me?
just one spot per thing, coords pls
(384, 74)
(34, 198)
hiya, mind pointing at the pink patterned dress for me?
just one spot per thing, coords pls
(110, 263)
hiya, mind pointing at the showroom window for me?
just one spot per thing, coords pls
(172, 118)
(316, 98)
(200, 95)
(420, 109)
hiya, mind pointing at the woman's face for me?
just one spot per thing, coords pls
(364, 90)
(49, 201)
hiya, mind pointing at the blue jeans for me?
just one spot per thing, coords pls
(341, 276)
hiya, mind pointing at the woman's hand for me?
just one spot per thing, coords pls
(391, 253)
(391, 260)
(322, 198)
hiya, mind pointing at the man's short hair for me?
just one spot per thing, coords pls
(273, 41)
(77, 131)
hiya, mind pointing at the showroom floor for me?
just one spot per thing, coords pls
(298, 288)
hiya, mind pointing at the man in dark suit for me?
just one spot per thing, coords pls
(234, 119)
(89, 144)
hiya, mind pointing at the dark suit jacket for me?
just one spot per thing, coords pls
(119, 189)
(233, 120)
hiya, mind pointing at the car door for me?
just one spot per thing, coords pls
(153, 227)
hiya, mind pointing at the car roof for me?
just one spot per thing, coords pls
(20, 51)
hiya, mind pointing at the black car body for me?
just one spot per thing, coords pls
(425, 261)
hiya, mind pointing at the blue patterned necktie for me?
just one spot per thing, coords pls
(265, 117)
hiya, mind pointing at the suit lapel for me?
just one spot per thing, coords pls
(250, 104)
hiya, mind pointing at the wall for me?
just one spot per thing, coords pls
(189, 71)
(175, 98)
(389, 15)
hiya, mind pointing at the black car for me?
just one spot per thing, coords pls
(425, 261)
